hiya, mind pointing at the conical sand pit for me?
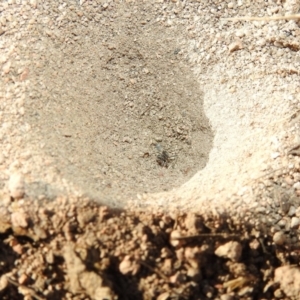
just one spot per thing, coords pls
(126, 106)
(119, 109)
(184, 124)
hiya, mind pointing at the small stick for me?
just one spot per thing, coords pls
(148, 108)
(263, 246)
(294, 114)
(295, 150)
(30, 290)
(290, 118)
(204, 235)
(163, 276)
(267, 174)
(273, 18)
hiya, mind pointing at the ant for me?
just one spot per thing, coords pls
(163, 158)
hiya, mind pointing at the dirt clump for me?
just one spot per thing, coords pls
(74, 250)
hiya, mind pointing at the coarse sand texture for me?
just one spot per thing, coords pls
(149, 149)
(110, 93)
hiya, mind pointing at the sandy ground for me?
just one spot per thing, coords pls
(149, 150)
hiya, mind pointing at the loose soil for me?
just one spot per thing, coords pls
(107, 106)
(149, 150)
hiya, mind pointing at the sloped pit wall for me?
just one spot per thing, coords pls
(115, 105)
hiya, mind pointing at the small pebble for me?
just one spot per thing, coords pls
(164, 296)
(33, 3)
(6, 68)
(174, 241)
(289, 180)
(1, 158)
(128, 266)
(231, 250)
(288, 277)
(3, 282)
(227, 297)
(297, 185)
(279, 238)
(275, 155)
(19, 219)
(295, 222)
(240, 33)
(23, 278)
(235, 46)
(278, 294)
(292, 211)
(16, 186)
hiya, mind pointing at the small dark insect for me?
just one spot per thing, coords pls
(176, 51)
(163, 159)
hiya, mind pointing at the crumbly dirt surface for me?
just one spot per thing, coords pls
(149, 150)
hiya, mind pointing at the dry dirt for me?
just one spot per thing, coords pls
(149, 150)
(126, 95)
